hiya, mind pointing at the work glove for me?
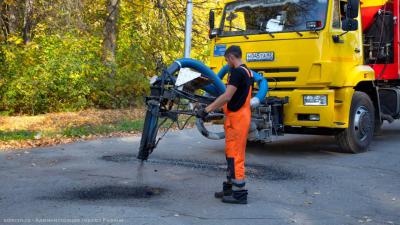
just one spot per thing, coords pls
(254, 102)
(201, 113)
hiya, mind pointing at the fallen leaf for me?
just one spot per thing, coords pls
(38, 136)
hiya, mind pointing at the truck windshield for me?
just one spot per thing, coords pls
(248, 17)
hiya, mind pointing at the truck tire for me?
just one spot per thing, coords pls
(358, 136)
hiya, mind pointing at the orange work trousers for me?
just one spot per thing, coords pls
(237, 125)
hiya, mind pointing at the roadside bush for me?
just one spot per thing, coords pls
(62, 73)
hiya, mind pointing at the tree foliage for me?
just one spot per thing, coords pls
(53, 58)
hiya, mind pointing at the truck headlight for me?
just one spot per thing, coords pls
(315, 100)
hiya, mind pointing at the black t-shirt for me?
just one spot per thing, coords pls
(239, 78)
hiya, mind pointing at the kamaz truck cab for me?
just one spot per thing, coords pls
(337, 62)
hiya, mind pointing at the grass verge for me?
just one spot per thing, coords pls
(20, 132)
(87, 130)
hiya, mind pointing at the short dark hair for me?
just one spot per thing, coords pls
(235, 51)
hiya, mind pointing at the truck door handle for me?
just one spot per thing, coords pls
(337, 40)
(357, 50)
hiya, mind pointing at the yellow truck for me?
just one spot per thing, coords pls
(332, 68)
(336, 61)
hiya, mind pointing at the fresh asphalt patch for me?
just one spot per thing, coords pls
(117, 192)
(140, 191)
(265, 172)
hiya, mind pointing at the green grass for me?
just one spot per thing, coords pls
(123, 126)
(77, 131)
(17, 135)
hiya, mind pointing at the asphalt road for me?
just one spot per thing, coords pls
(295, 180)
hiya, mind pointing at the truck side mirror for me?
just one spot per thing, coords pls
(211, 22)
(352, 9)
(349, 25)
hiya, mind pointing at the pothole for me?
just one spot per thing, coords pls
(268, 172)
(108, 193)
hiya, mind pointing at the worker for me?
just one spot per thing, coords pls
(236, 105)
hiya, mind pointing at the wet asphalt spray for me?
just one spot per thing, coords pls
(139, 173)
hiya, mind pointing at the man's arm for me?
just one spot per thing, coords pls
(222, 99)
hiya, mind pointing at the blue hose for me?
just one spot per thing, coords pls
(224, 70)
(218, 87)
(262, 85)
(262, 82)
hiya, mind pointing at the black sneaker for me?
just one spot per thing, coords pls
(226, 190)
(237, 197)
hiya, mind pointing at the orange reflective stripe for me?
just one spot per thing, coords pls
(249, 73)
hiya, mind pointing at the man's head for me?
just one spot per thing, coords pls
(233, 56)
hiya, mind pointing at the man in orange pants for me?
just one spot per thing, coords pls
(236, 104)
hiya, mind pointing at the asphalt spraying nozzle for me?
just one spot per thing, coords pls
(148, 142)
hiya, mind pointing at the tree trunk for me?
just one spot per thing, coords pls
(110, 34)
(8, 18)
(3, 20)
(12, 14)
(27, 26)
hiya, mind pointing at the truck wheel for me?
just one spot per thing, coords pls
(358, 136)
